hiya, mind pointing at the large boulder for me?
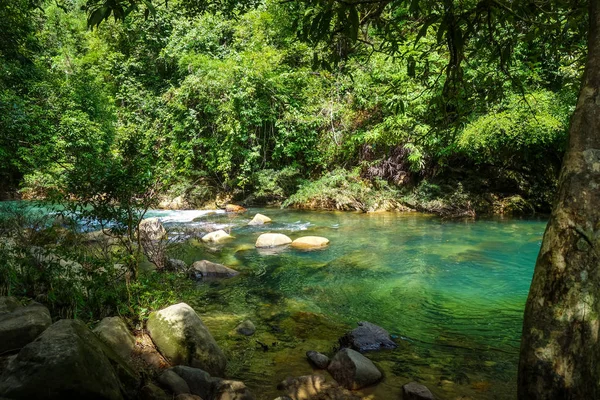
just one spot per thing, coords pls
(352, 370)
(67, 361)
(260, 219)
(211, 388)
(114, 332)
(367, 337)
(272, 240)
(216, 236)
(181, 336)
(21, 325)
(206, 270)
(310, 242)
(416, 391)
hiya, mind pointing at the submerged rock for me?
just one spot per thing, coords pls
(246, 328)
(66, 360)
(181, 336)
(310, 242)
(260, 219)
(21, 325)
(367, 337)
(416, 391)
(272, 240)
(206, 270)
(319, 360)
(352, 370)
(216, 236)
(114, 332)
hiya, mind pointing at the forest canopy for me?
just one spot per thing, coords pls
(246, 100)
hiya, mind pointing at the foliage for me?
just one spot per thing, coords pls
(347, 191)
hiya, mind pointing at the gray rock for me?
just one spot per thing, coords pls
(416, 391)
(66, 361)
(209, 270)
(173, 382)
(246, 328)
(181, 336)
(367, 337)
(352, 370)
(212, 388)
(319, 360)
(22, 325)
(114, 332)
(8, 304)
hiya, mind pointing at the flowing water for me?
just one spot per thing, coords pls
(450, 292)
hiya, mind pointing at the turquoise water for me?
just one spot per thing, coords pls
(452, 292)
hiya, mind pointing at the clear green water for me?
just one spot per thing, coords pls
(452, 292)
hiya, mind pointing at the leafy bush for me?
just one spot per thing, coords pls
(344, 190)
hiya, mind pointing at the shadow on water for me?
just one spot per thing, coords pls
(452, 293)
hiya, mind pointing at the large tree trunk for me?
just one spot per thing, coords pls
(560, 348)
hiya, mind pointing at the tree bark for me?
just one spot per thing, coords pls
(560, 347)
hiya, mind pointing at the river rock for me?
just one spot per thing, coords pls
(66, 360)
(235, 208)
(212, 388)
(352, 370)
(216, 236)
(114, 332)
(181, 336)
(246, 328)
(310, 242)
(416, 391)
(367, 337)
(319, 360)
(152, 229)
(272, 240)
(22, 325)
(206, 270)
(259, 219)
(176, 384)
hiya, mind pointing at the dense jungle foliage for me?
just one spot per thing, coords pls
(241, 104)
